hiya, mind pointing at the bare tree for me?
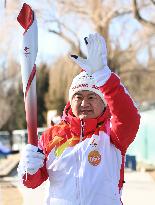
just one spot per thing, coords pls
(148, 27)
(70, 16)
(72, 19)
(4, 108)
(61, 75)
(137, 13)
(9, 78)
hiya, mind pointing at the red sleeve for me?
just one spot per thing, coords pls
(36, 179)
(125, 119)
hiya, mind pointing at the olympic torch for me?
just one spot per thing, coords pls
(28, 54)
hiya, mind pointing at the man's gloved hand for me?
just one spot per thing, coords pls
(31, 160)
(96, 61)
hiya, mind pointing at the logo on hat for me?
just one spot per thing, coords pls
(79, 86)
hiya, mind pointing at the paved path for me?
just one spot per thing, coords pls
(33, 196)
(139, 189)
(1, 196)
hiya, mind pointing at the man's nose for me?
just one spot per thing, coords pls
(85, 102)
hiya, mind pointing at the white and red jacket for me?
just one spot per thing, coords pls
(85, 159)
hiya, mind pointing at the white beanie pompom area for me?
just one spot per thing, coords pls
(84, 81)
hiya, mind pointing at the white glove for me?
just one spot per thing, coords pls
(31, 160)
(96, 62)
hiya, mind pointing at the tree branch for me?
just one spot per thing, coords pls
(153, 2)
(65, 37)
(72, 6)
(141, 70)
(138, 16)
(62, 34)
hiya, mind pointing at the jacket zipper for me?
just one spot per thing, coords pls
(78, 160)
(78, 195)
(82, 131)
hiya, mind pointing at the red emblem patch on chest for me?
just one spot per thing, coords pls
(94, 158)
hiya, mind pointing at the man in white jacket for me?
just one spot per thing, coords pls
(83, 156)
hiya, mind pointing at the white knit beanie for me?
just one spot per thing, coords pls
(84, 81)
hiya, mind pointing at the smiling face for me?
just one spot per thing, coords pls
(87, 104)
